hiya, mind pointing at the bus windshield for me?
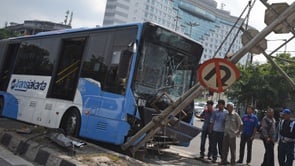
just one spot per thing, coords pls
(162, 69)
(167, 63)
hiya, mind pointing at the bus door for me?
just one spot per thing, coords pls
(8, 62)
(65, 80)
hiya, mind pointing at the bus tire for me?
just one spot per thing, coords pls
(71, 122)
(1, 105)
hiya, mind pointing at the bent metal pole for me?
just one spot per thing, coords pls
(238, 55)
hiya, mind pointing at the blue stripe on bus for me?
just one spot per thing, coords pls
(10, 107)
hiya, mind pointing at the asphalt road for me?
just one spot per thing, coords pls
(194, 149)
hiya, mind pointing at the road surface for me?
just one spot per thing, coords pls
(194, 149)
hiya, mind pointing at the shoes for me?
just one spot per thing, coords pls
(222, 163)
(239, 161)
(199, 158)
(248, 163)
(209, 158)
(234, 163)
(214, 160)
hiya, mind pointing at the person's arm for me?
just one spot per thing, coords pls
(240, 124)
(264, 129)
(254, 132)
(202, 114)
(255, 128)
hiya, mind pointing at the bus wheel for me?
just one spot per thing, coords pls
(1, 105)
(71, 122)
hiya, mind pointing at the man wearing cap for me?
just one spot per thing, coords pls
(286, 129)
(205, 130)
(233, 127)
(268, 131)
(217, 124)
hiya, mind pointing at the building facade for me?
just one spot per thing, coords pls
(199, 19)
(31, 27)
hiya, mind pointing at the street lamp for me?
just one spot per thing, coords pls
(192, 24)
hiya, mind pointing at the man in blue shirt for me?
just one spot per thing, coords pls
(217, 124)
(250, 124)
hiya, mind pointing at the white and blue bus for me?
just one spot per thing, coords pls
(98, 83)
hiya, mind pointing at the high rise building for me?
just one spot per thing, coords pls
(198, 19)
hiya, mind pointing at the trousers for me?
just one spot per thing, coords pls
(217, 139)
(204, 136)
(245, 139)
(286, 153)
(268, 159)
(229, 143)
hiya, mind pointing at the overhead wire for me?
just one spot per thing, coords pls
(249, 5)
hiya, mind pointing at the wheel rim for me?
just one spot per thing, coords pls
(71, 123)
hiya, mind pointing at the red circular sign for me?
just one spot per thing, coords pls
(218, 74)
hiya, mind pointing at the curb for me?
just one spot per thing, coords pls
(41, 154)
(33, 151)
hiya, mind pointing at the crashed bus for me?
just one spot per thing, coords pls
(103, 83)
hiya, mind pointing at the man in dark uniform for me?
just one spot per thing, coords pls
(205, 130)
(268, 135)
(286, 139)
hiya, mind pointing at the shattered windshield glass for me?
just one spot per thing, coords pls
(162, 69)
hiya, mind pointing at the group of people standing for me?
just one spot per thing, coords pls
(222, 125)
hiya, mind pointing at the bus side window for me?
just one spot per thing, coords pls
(9, 59)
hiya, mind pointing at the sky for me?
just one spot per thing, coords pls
(257, 21)
(89, 13)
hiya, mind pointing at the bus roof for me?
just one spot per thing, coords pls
(83, 29)
(74, 30)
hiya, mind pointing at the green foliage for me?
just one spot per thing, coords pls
(4, 34)
(263, 86)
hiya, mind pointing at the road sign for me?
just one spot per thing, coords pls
(218, 74)
(248, 35)
(273, 12)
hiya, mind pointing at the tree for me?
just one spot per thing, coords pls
(262, 85)
(4, 34)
